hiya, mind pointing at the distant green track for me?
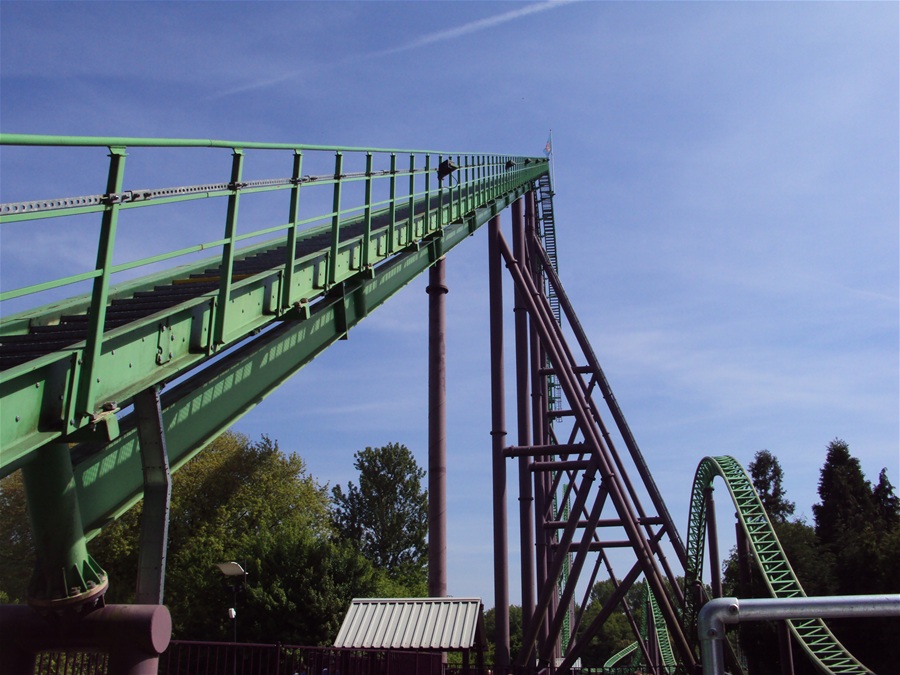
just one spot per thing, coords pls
(817, 640)
(662, 637)
(619, 655)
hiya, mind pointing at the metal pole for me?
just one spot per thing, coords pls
(437, 432)
(743, 557)
(526, 498)
(498, 438)
(720, 611)
(133, 635)
(715, 567)
(539, 406)
(784, 648)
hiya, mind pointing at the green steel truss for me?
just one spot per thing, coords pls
(250, 328)
(829, 655)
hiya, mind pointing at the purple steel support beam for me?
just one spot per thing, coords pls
(715, 567)
(609, 397)
(526, 498)
(786, 654)
(573, 392)
(743, 557)
(652, 575)
(548, 590)
(133, 635)
(437, 431)
(540, 405)
(498, 438)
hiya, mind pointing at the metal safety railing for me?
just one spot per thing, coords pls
(362, 204)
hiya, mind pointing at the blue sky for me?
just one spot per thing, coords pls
(727, 205)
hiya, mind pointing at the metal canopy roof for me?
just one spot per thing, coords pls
(445, 624)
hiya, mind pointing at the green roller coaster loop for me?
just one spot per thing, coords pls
(829, 655)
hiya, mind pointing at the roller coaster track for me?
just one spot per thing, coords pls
(232, 328)
(819, 643)
(664, 645)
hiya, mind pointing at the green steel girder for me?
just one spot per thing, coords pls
(38, 399)
(108, 476)
(819, 643)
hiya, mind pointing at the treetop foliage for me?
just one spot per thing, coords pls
(386, 514)
(767, 476)
(852, 548)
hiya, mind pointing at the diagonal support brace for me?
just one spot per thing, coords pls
(157, 495)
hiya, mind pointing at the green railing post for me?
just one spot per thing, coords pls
(367, 238)
(440, 206)
(293, 217)
(100, 293)
(227, 264)
(412, 199)
(426, 224)
(479, 165)
(335, 218)
(393, 205)
(465, 181)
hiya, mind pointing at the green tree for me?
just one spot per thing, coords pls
(16, 544)
(859, 526)
(386, 515)
(248, 502)
(767, 476)
(616, 632)
(848, 505)
(515, 632)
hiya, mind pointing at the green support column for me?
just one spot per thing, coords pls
(64, 573)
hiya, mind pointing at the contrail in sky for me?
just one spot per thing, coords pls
(475, 26)
(422, 41)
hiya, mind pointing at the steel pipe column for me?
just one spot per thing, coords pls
(498, 442)
(526, 499)
(133, 635)
(715, 568)
(437, 431)
(721, 611)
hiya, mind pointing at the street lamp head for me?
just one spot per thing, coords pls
(231, 569)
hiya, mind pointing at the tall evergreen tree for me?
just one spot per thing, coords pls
(767, 477)
(887, 503)
(848, 505)
(386, 515)
(860, 528)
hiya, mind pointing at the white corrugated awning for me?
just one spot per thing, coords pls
(445, 624)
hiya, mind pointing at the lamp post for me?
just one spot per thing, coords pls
(236, 575)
